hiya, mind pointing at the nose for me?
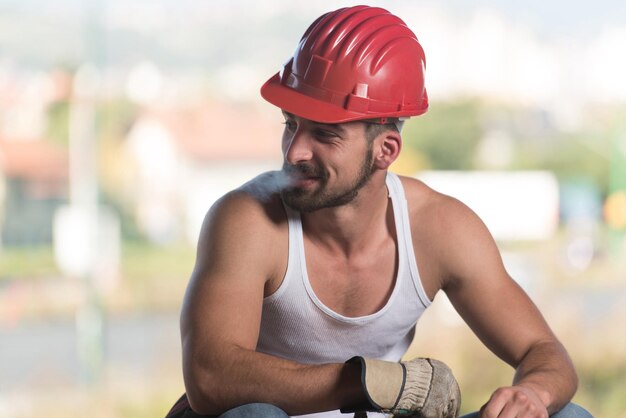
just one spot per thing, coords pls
(297, 147)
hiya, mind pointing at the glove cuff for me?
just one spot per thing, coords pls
(418, 383)
(382, 382)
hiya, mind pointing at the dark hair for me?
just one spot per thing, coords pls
(372, 130)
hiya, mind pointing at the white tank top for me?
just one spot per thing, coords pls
(296, 325)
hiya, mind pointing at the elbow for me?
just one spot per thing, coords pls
(204, 396)
(200, 403)
(571, 376)
(574, 381)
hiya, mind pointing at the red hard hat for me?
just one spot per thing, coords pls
(354, 63)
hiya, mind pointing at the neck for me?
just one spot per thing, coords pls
(349, 228)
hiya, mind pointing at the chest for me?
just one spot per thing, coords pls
(353, 286)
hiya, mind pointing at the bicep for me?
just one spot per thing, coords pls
(223, 301)
(221, 308)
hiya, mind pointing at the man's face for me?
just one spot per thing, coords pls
(326, 164)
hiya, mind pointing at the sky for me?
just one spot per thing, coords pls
(572, 18)
(548, 47)
(551, 17)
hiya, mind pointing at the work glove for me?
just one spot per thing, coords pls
(422, 388)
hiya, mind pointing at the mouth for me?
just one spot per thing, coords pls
(302, 179)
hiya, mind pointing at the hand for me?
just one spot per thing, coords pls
(514, 402)
(422, 387)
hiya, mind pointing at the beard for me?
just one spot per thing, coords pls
(301, 200)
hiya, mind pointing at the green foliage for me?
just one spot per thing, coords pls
(129, 230)
(114, 118)
(143, 262)
(568, 156)
(447, 134)
(27, 263)
(58, 122)
(602, 387)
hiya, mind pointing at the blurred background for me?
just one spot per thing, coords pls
(121, 122)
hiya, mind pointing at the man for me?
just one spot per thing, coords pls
(309, 281)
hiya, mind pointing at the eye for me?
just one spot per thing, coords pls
(290, 125)
(324, 135)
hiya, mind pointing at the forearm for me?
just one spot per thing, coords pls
(239, 376)
(548, 370)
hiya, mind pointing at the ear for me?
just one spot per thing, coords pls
(386, 149)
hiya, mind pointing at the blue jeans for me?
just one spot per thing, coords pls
(571, 410)
(255, 410)
(263, 410)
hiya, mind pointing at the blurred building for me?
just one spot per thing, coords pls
(34, 175)
(184, 160)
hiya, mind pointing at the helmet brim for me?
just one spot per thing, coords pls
(299, 104)
(304, 106)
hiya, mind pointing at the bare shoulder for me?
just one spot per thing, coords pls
(255, 206)
(448, 233)
(239, 226)
(429, 208)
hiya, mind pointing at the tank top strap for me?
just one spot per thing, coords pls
(294, 260)
(403, 231)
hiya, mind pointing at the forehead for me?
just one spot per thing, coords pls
(342, 127)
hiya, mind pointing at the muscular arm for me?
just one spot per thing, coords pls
(220, 321)
(503, 317)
